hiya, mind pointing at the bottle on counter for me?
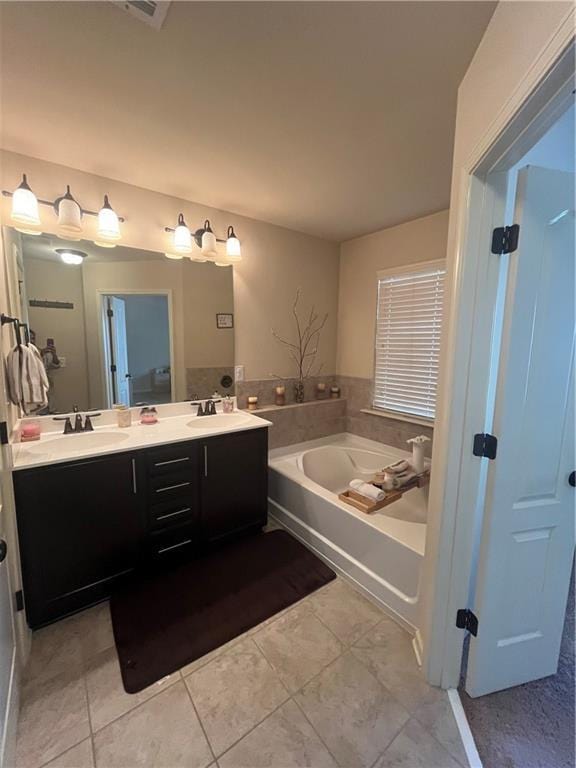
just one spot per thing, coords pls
(123, 415)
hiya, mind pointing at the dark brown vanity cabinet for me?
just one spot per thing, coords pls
(234, 489)
(84, 525)
(80, 527)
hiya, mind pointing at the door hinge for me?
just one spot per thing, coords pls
(505, 239)
(467, 620)
(485, 445)
(110, 312)
(3, 433)
(19, 600)
(113, 369)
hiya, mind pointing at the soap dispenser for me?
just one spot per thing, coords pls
(418, 452)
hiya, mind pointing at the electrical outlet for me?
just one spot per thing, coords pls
(239, 373)
(62, 361)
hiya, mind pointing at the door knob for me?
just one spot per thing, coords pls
(3, 550)
(572, 479)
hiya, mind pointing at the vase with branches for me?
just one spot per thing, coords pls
(304, 349)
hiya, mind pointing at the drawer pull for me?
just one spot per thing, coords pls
(171, 461)
(172, 487)
(173, 514)
(174, 546)
(134, 484)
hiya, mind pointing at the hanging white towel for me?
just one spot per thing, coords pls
(27, 380)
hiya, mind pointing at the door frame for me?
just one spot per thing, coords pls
(469, 345)
(100, 294)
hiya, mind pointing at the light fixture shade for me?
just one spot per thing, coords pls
(208, 240)
(69, 217)
(108, 226)
(182, 238)
(233, 250)
(25, 214)
(70, 256)
(174, 256)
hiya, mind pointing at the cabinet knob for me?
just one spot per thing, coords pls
(3, 550)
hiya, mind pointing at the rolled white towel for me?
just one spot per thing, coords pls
(398, 467)
(368, 490)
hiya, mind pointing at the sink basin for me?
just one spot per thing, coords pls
(82, 442)
(219, 421)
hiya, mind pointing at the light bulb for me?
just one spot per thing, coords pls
(25, 213)
(208, 240)
(70, 256)
(233, 250)
(182, 238)
(108, 226)
(69, 217)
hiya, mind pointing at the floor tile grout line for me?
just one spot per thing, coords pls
(137, 706)
(398, 732)
(93, 747)
(253, 728)
(189, 692)
(311, 724)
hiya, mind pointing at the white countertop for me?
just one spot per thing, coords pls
(107, 438)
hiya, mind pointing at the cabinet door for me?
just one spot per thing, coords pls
(80, 527)
(234, 483)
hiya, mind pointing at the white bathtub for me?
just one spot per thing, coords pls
(382, 551)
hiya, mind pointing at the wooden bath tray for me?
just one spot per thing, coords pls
(366, 505)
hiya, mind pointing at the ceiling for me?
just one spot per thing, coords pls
(44, 247)
(331, 118)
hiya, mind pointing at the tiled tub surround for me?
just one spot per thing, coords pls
(293, 425)
(201, 383)
(332, 682)
(299, 422)
(383, 429)
(382, 551)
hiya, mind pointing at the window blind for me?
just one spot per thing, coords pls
(408, 327)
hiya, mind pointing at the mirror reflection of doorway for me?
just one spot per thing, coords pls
(137, 348)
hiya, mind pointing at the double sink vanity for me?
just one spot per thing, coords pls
(96, 506)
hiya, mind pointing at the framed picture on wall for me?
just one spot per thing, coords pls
(224, 320)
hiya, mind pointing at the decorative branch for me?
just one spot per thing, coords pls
(304, 352)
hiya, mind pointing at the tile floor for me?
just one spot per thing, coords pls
(331, 682)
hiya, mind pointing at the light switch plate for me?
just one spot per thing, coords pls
(239, 373)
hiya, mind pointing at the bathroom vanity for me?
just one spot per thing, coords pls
(85, 523)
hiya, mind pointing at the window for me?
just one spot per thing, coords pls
(408, 326)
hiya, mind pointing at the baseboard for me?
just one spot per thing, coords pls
(472, 755)
(418, 647)
(8, 746)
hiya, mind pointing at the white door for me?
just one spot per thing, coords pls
(528, 529)
(7, 644)
(120, 349)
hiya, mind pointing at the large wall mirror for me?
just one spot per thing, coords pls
(122, 325)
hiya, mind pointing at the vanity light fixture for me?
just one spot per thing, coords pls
(233, 250)
(108, 226)
(69, 216)
(184, 242)
(25, 214)
(182, 237)
(26, 219)
(70, 256)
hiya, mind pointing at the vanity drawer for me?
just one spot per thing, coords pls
(165, 488)
(164, 546)
(171, 459)
(171, 513)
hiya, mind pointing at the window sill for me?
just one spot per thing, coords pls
(399, 417)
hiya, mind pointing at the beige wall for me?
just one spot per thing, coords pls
(57, 282)
(418, 240)
(275, 260)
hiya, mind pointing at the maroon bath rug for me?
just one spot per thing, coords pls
(165, 621)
